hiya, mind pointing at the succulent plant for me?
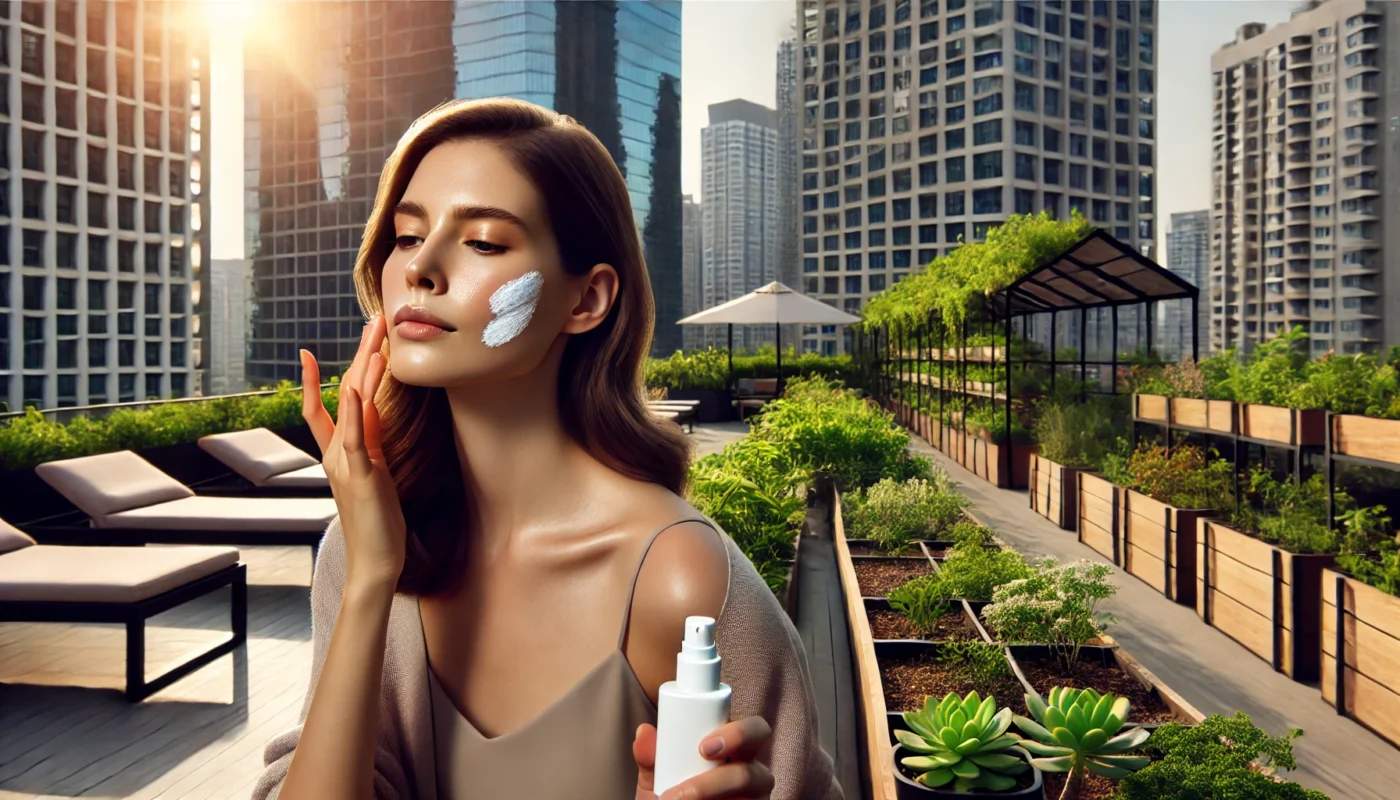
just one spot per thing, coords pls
(1079, 731)
(963, 742)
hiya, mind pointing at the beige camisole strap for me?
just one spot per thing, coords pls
(578, 747)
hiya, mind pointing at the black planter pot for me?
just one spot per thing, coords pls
(714, 403)
(907, 789)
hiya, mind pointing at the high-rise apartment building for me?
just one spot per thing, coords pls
(928, 122)
(333, 86)
(1303, 231)
(739, 199)
(226, 348)
(101, 239)
(692, 285)
(1188, 255)
(789, 106)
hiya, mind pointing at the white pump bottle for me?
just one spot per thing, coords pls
(690, 707)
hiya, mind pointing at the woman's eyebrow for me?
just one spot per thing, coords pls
(463, 213)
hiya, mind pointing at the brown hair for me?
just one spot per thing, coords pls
(600, 378)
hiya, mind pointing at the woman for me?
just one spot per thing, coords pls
(505, 587)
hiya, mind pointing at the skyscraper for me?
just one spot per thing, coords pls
(789, 106)
(101, 210)
(927, 123)
(1302, 230)
(225, 353)
(1188, 255)
(740, 197)
(692, 286)
(327, 103)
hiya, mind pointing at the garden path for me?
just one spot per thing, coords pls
(1207, 668)
(65, 730)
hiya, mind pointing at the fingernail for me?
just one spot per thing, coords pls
(711, 747)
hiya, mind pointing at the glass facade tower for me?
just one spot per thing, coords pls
(330, 95)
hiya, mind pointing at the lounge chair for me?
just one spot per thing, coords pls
(269, 463)
(127, 500)
(686, 410)
(752, 394)
(129, 585)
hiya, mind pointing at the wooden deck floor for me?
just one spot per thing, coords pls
(66, 731)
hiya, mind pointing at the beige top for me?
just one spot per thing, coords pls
(764, 665)
(587, 734)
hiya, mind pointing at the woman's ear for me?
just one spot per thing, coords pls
(597, 292)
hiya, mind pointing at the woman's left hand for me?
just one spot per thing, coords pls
(740, 777)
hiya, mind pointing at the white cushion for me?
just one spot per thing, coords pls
(12, 538)
(312, 477)
(257, 454)
(49, 573)
(245, 514)
(111, 482)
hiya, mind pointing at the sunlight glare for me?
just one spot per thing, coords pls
(233, 14)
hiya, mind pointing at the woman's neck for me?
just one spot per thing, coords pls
(519, 466)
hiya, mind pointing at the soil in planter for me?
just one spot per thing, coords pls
(879, 578)
(871, 550)
(1045, 674)
(951, 627)
(1094, 787)
(909, 681)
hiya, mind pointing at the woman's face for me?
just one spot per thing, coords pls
(474, 289)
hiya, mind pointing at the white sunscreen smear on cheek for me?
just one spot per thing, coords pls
(513, 304)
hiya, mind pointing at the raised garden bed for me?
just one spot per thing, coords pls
(886, 623)
(1361, 627)
(1158, 544)
(1040, 670)
(1262, 596)
(1366, 437)
(863, 548)
(1099, 504)
(1217, 416)
(910, 673)
(877, 576)
(1299, 427)
(1054, 491)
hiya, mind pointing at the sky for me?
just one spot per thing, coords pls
(729, 51)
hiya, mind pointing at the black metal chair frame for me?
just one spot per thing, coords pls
(134, 616)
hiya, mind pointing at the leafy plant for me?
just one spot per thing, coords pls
(1184, 476)
(921, 601)
(1078, 732)
(1055, 605)
(1171, 380)
(969, 534)
(1223, 758)
(709, 368)
(1287, 513)
(1369, 551)
(895, 513)
(980, 664)
(1079, 434)
(974, 572)
(963, 742)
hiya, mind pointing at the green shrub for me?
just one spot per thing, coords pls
(1079, 434)
(895, 513)
(709, 368)
(32, 439)
(921, 601)
(1184, 476)
(1369, 550)
(969, 534)
(1223, 758)
(1289, 514)
(1056, 605)
(973, 573)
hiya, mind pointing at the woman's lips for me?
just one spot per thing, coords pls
(418, 331)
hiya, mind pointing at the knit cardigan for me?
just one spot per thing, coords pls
(764, 665)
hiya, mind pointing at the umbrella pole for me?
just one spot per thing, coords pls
(779, 329)
(731, 355)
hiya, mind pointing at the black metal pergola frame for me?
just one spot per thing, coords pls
(1098, 271)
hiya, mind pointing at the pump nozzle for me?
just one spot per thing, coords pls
(697, 664)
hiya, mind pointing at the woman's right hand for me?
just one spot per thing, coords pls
(353, 456)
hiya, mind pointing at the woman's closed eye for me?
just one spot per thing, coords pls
(405, 242)
(484, 247)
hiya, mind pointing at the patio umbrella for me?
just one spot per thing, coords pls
(774, 304)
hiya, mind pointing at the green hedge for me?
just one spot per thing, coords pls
(32, 439)
(756, 488)
(709, 369)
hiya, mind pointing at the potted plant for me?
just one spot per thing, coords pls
(1079, 732)
(960, 745)
(1259, 574)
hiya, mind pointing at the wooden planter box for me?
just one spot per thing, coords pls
(1099, 503)
(1366, 437)
(1157, 544)
(1289, 426)
(1003, 466)
(1361, 624)
(1209, 415)
(1150, 408)
(1110, 655)
(1263, 597)
(1054, 491)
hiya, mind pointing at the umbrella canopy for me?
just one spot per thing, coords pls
(769, 305)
